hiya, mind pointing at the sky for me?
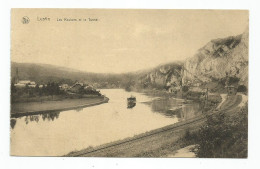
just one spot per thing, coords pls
(120, 40)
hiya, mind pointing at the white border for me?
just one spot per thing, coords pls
(51, 162)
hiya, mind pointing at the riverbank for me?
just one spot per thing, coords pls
(212, 97)
(20, 109)
(158, 93)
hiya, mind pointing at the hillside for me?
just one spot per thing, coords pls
(161, 76)
(209, 67)
(219, 58)
(44, 73)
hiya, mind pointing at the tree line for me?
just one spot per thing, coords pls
(51, 88)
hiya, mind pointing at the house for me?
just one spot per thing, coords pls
(231, 90)
(168, 84)
(19, 85)
(196, 89)
(76, 88)
(23, 83)
(196, 84)
(174, 89)
(64, 87)
(32, 85)
(89, 88)
(231, 85)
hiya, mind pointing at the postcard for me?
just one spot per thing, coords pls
(129, 83)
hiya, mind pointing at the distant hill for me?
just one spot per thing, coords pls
(44, 73)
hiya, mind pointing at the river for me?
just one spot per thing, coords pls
(58, 133)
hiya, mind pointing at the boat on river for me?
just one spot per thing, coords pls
(131, 99)
(131, 105)
(131, 102)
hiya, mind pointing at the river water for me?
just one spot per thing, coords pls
(58, 133)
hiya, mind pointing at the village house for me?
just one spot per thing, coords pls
(196, 92)
(89, 88)
(64, 87)
(76, 88)
(196, 89)
(81, 88)
(196, 84)
(231, 90)
(231, 86)
(23, 83)
(174, 89)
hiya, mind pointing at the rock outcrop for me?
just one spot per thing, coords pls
(217, 59)
(165, 75)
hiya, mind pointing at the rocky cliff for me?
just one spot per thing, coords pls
(213, 62)
(162, 76)
(217, 59)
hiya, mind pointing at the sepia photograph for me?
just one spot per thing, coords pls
(161, 83)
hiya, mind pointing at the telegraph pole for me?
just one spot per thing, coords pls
(207, 96)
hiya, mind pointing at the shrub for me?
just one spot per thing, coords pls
(224, 136)
(185, 88)
(242, 88)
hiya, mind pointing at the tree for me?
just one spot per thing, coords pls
(13, 88)
(242, 88)
(185, 88)
(57, 89)
(43, 90)
(37, 89)
(224, 136)
(48, 88)
(27, 89)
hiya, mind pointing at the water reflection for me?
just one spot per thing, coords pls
(174, 113)
(130, 105)
(79, 109)
(12, 123)
(50, 116)
(172, 107)
(31, 118)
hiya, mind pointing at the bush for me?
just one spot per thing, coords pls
(185, 88)
(224, 136)
(242, 88)
(233, 80)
